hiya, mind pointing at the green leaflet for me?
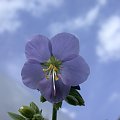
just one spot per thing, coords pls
(42, 99)
(77, 95)
(34, 107)
(15, 116)
(71, 100)
(74, 98)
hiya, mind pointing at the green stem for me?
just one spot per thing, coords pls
(54, 113)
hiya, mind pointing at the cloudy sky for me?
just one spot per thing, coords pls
(95, 22)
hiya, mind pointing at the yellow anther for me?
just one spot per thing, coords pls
(56, 77)
(47, 77)
(50, 67)
(44, 70)
(55, 69)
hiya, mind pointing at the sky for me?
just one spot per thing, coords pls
(97, 25)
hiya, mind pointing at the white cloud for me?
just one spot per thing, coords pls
(13, 69)
(92, 15)
(102, 2)
(108, 47)
(38, 7)
(72, 115)
(114, 97)
(9, 17)
(78, 22)
(75, 23)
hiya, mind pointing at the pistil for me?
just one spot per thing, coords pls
(54, 88)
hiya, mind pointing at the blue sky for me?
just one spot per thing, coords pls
(95, 22)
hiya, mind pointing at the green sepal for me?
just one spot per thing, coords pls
(76, 94)
(71, 100)
(27, 111)
(58, 105)
(45, 64)
(38, 117)
(42, 99)
(15, 116)
(76, 87)
(52, 61)
(34, 107)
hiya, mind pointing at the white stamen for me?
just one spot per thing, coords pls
(55, 73)
(54, 83)
(49, 73)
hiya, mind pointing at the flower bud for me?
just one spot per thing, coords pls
(27, 111)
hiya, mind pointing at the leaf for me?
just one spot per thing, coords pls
(15, 116)
(77, 95)
(58, 105)
(34, 107)
(42, 99)
(71, 100)
(27, 111)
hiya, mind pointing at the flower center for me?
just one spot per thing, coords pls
(52, 68)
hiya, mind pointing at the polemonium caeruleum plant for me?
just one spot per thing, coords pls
(55, 68)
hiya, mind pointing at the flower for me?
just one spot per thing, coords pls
(53, 66)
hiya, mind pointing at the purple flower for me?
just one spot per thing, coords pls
(53, 66)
